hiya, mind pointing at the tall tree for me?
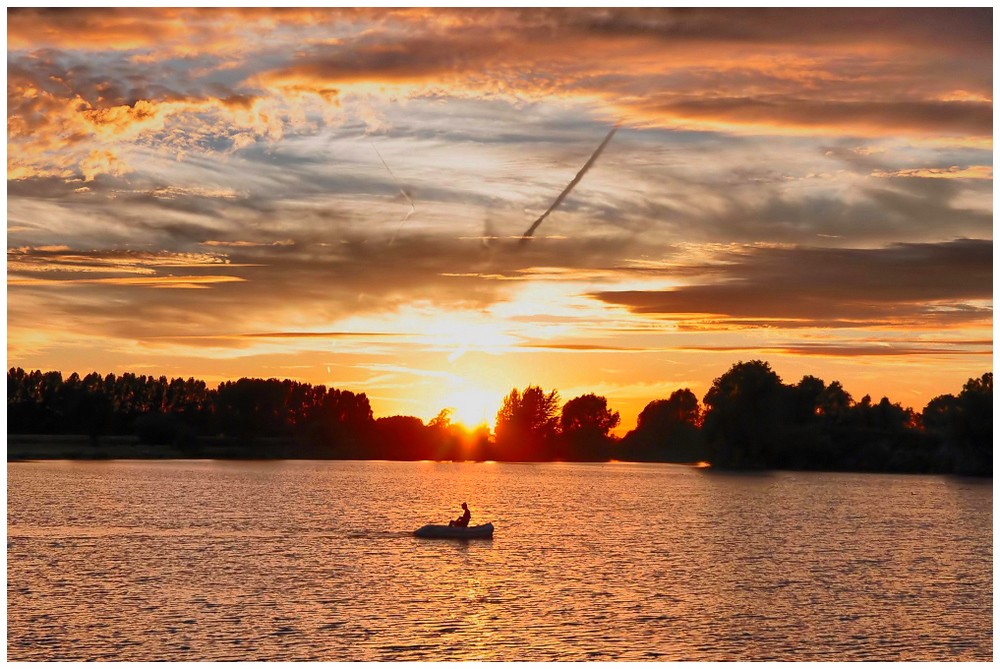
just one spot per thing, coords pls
(585, 425)
(976, 431)
(526, 424)
(588, 413)
(667, 430)
(745, 413)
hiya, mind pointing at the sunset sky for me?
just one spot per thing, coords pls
(337, 196)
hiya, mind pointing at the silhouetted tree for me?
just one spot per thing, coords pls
(250, 408)
(806, 442)
(667, 431)
(975, 426)
(93, 408)
(442, 421)
(585, 425)
(451, 441)
(939, 415)
(400, 438)
(526, 424)
(806, 399)
(345, 422)
(478, 445)
(964, 425)
(745, 412)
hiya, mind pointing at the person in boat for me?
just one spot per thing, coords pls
(463, 520)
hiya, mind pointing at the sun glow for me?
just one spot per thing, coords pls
(454, 332)
(473, 406)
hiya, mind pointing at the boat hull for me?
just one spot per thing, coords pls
(448, 532)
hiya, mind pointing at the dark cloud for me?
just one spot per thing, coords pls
(711, 61)
(941, 28)
(938, 28)
(903, 284)
(815, 349)
(852, 350)
(868, 116)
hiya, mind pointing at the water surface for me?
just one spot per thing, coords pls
(202, 560)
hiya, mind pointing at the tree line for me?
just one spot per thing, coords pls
(748, 419)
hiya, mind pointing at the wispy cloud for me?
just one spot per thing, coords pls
(854, 350)
(187, 281)
(64, 259)
(984, 172)
(318, 335)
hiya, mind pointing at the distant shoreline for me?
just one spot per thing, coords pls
(751, 420)
(22, 448)
(26, 447)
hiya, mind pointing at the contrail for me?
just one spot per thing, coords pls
(413, 208)
(566, 191)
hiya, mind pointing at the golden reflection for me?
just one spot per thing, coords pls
(481, 621)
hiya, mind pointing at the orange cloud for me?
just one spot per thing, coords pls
(148, 281)
(89, 29)
(954, 172)
(64, 259)
(124, 29)
(49, 135)
(924, 73)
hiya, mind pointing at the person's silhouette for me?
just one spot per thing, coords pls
(463, 520)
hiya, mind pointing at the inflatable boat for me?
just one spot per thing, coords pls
(449, 532)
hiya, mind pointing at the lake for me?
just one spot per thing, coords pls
(311, 560)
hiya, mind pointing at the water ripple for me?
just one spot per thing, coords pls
(186, 561)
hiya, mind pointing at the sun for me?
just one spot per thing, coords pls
(473, 406)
